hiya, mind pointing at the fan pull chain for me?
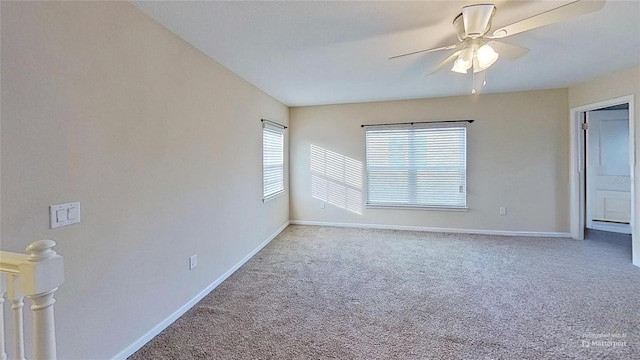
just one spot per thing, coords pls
(473, 82)
(484, 82)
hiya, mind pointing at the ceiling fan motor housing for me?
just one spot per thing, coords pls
(474, 21)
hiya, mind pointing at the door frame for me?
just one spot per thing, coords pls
(590, 223)
(577, 194)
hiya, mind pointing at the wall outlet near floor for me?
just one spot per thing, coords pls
(193, 261)
(321, 204)
(503, 211)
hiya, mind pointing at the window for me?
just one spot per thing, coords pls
(411, 166)
(272, 160)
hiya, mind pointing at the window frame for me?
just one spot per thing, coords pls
(269, 127)
(412, 182)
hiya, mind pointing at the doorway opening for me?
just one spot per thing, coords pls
(607, 169)
(602, 170)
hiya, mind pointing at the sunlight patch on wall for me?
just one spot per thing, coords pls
(336, 179)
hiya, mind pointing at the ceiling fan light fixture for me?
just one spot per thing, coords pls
(486, 56)
(460, 66)
(464, 61)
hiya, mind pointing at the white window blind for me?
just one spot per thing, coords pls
(272, 160)
(417, 167)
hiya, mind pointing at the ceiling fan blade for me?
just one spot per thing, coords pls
(552, 16)
(508, 51)
(476, 19)
(450, 47)
(444, 62)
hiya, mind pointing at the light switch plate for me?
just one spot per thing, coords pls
(64, 214)
(193, 261)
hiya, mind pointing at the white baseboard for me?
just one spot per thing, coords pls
(129, 350)
(435, 229)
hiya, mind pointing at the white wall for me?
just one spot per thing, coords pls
(517, 158)
(160, 144)
(615, 85)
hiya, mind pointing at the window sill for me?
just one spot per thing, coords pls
(272, 196)
(416, 207)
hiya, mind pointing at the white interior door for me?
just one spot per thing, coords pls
(608, 171)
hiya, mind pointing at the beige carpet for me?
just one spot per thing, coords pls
(335, 293)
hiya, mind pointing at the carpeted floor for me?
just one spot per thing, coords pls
(339, 293)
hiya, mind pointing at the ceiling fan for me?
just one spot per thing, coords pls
(476, 49)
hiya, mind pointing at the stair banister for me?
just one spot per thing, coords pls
(36, 276)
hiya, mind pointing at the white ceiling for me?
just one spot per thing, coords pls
(317, 52)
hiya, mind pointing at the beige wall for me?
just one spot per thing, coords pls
(611, 86)
(160, 144)
(615, 85)
(517, 158)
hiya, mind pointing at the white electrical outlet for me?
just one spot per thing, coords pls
(503, 211)
(193, 261)
(321, 204)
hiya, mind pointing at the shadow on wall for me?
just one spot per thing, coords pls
(336, 179)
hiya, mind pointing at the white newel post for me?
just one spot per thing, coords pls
(41, 275)
(44, 333)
